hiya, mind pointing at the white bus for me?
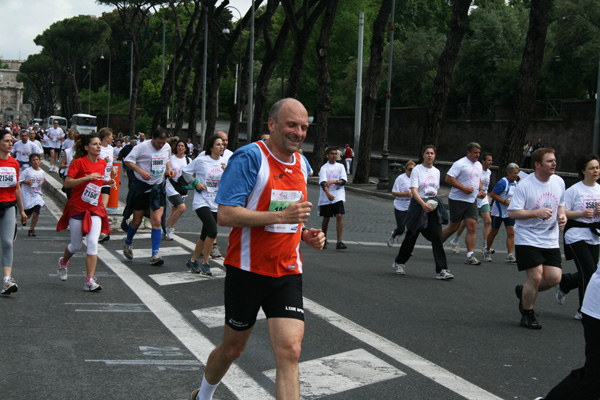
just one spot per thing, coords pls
(84, 123)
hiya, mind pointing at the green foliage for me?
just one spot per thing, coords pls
(490, 55)
(572, 52)
(414, 67)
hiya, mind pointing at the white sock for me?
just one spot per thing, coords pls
(469, 254)
(6, 279)
(206, 390)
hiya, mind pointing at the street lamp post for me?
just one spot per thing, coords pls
(250, 77)
(596, 142)
(384, 173)
(108, 89)
(204, 66)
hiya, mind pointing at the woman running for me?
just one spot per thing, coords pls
(84, 213)
(425, 215)
(10, 195)
(31, 181)
(403, 195)
(582, 243)
(175, 192)
(207, 170)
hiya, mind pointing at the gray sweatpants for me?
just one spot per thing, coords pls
(7, 234)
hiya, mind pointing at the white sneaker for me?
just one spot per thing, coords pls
(560, 296)
(169, 233)
(444, 275)
(390, 241)
(487, 255)
(146, 223)
(511, 259)
(62, 270)
(92, 286)
(127, 250)
(399, 268)
(472, 260)
(215, 252)
(578, 316)
(454, 246)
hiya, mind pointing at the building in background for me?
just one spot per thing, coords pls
(11, 94)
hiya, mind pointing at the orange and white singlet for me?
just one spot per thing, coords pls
(257, 180)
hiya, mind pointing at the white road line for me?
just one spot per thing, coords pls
(147, 362)
(236, 380)
(402, 355)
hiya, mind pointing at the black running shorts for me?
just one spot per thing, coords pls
(246, 292)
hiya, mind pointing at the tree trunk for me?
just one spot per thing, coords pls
(301, 38)
(324, 82)
(443, 79)
(195, 99)
(531, 65)
(270, 60)
(370, 98)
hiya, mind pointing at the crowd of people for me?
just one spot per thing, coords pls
(260, 192)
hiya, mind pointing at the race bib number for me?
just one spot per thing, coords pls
(36, 186)
(8, 177)
(212, 186)
(91, 194)
(280, 200)
(159, 164)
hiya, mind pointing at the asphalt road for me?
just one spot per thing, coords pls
(369, 333)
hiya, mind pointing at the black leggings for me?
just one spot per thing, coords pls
(209, 222)
(433, 233)
(586, 260)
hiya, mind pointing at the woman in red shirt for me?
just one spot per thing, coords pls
(84, 213)
(10, 195)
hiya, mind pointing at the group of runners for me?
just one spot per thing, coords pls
(260, 192)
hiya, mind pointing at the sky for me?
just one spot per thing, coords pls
(35, 16)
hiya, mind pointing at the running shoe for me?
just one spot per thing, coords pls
(487, 255)
(127, 250)
(454, 246)
(194, 394)
(92, 285)
(31, 232)
(62, 269)
(103, 238)
(156, 260)
(511, 259)
(325, 245)
(390, 241)
(340, 246)
(205, 269)
(529, 321)
(169, 233)
(193, 265)
(9, 286)
(146, 223)
(444, 275)
(472, 260)
(215, 252)
(560, 296)
(399, 268)
(578, 316)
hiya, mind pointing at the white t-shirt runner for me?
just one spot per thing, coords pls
(426, 180)
(55, 136)
(332, 172)
(468, 174)
(485, 185)
(145, 156)
(533, 194)
(32, 195)
(107, 154)
(401, 185)
(580, 197)
(208, 172)
(23, 150)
